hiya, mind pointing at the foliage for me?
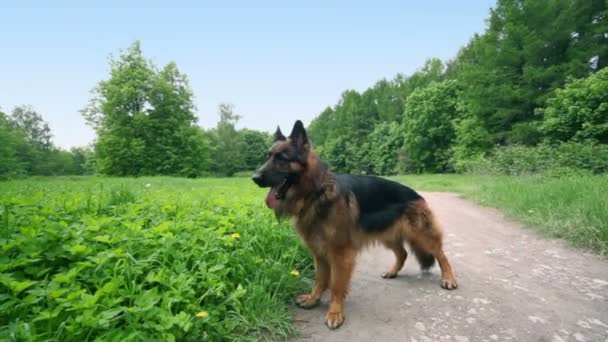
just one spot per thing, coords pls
(508, 86)
(255, 147)
(26, 148)
(346, 127)
(579, 111)
(504, 75)
(146, 259)
(381, 151)
(552, 160)
(428, 128)
(472, 140)
(528, 50)
(144, 120)
(227, 154)
(11, 141)
(341, 154)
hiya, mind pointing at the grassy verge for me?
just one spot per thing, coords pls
(144, 259)
(88, 258)
(573, 208)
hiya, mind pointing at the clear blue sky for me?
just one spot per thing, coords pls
(275, 61)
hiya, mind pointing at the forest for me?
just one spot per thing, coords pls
(527, 95)
(533, 84)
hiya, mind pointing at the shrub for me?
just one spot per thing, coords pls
(579, 111)
(154, 259)
(547, 159)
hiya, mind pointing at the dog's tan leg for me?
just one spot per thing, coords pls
(322, 276)
(433, 244)
(448, 280)
(430, 239)
(400, 255)
(342, 264)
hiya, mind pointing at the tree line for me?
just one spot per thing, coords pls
(26, 148)
(535, 76)
(145, 122)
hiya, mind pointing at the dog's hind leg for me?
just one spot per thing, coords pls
(400, 257)
(322, 276)
(433, 244)
(427, 238)
(448, 280)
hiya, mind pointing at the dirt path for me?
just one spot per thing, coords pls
(513, 286)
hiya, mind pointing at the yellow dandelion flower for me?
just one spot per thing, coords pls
(294, 273)
(235, 235)
(202, 314)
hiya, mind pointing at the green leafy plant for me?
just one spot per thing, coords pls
(146, 259)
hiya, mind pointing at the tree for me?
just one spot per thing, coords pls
(322, 126)
(383, 147)
(255, 145)
(346, 127)
(144, 120)
(228, 155)
(35, 153)
(527, 51)
(428, 128)
(11, 141)
(340, 154)
(579, 111)
(36, 130)
(83, 159)
(170, 132)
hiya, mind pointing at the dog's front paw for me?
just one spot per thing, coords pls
(389, 275)
(306, 301)
(334, 319)
(449, 283)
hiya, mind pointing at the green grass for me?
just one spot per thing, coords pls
(573, 208)
(86, 258)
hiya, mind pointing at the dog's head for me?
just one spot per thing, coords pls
(287, 159)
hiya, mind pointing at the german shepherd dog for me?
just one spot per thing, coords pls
(338, 215)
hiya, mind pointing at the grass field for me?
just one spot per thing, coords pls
(144, 260)
(571, 208)
(88, 258)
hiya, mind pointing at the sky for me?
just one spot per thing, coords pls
(275, 61)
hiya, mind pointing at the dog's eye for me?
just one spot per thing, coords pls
(280, 157)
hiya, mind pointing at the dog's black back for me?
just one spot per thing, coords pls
(380, 200)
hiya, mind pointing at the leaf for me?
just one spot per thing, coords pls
(102, 238)
(216, 268)
(147, 299)
(78, 249)
(109, 314)
(15, 286)
(163, 227)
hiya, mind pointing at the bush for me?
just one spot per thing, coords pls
(156, 259)
(427, 126)
(381, 151)
(579, 111)
(565, 158)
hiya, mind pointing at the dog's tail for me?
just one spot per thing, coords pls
(425, 259)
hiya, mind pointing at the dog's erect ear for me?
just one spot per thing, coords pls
(298, 135)
(278, 135)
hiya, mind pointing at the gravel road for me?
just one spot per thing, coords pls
(514, 286)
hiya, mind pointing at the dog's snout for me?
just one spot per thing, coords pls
(258, 178)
